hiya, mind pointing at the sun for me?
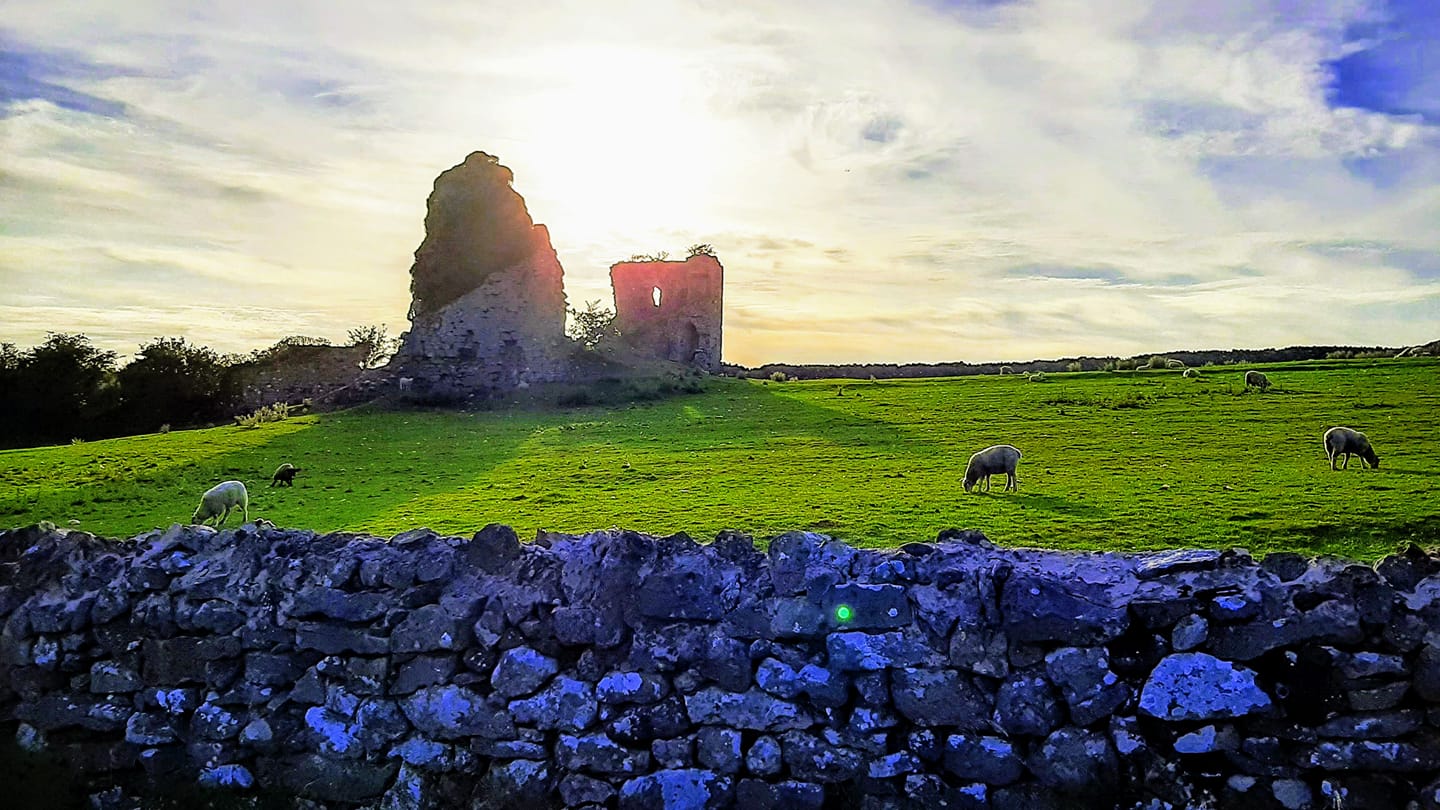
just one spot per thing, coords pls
(624, 143)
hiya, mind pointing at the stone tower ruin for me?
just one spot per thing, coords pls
(671, 310)
(488, 292)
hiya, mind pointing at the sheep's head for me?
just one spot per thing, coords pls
(968, 483)
(1369, 455)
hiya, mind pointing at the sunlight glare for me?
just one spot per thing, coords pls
(628, 144)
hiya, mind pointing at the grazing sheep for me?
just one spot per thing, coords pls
(284, 475)
(1006, 370)
(1000, 458)
(1254, 379)
(1172, 363)
(1191, 373)
(1340, 440)
(219, 500)
(406, 383)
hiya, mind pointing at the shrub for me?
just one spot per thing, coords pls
(1125, 364)
(1075, 366)
(702, 249)
(1156, 361)
(277, 412)
(379, 345)
(778, 376)
(593, 328)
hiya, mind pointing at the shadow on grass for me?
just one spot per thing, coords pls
(1060, 506)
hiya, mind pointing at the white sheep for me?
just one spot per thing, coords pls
(219, 500)
(1191, 373)
(1254, 379)
(1006, 370)
(1173, 363)
(406, 384)
(1340, 440)
(1000, 458)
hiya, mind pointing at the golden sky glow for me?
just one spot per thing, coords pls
(883, 181)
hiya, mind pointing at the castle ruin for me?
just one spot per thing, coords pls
(671, 310)
(488, 297)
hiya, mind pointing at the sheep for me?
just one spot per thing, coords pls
(1191, 373)
(1173, 363)
(1254, 379)
(219, 500)
(406, 384)
(284, 475)
(1340, 440)
(1000, 458)
(1005, 370)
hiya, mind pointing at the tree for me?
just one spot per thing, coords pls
(702, 249)
(380, 346)
(594, 328)
(171, 380)
(66, 387)
(658, 256)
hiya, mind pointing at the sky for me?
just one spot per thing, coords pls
(883, 181)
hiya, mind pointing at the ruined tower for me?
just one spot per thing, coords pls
(488, 295)
(671, 310)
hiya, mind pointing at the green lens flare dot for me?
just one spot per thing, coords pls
(843, 613)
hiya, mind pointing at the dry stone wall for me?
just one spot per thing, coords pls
(620, 670)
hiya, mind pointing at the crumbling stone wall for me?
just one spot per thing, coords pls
(672, 310)
(291, 374)
(488, 305)
(620, 670)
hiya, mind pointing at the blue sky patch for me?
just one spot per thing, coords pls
(1399, 74)
(31, 73)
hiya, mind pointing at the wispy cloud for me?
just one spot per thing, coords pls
(939, 180)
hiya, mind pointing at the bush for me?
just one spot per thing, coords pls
(277, 412)
(1125, 364)
(1075, 366)
(778, 376)
(702, 249)
(380, 347)
(593, 328)
(1157, 361)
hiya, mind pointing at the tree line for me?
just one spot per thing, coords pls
(68, 389)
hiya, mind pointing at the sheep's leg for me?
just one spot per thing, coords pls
(1010, 482)
(1346, 465)
(1332, 460)
(247, 511)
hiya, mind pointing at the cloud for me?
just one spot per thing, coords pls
(883, 181)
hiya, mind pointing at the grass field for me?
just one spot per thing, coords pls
(1139, 460)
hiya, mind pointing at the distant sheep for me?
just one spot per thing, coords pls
(1172, 363)
(284, 475)
(1254, 379)
(406, 383)
(1001, 458)
(1192, 373)
(1343, 440)
(219, 500)
(1006, 370)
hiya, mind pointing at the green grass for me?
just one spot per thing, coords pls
(1140, 460)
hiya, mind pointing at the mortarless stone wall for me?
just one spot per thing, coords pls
(620, 670)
